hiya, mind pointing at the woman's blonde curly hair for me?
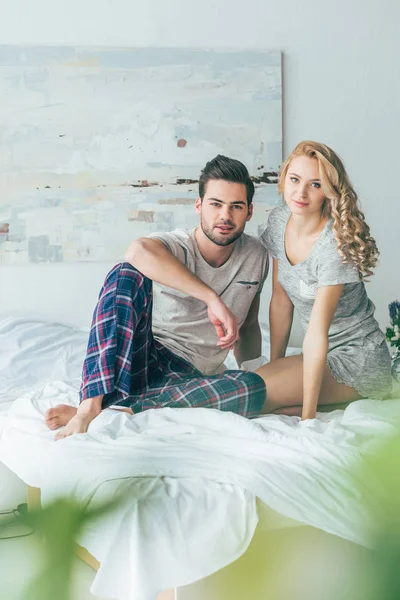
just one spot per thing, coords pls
(354, 242)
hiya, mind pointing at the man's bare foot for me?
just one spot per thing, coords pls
(81, 418)
(75, 425)
(59, 415)
(88, 410)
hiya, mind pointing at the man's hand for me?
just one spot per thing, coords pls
(225, 324)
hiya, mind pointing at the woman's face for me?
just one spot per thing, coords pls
(303, 189)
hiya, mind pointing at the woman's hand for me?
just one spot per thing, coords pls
(308, 414)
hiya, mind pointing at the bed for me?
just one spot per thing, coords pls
(196, 484)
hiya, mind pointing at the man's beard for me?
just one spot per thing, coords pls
(223, 241)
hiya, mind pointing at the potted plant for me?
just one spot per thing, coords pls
(393, 337)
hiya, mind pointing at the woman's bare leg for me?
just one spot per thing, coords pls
(284, 381)
(295, 411)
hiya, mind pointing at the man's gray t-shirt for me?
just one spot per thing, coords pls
(180, 322)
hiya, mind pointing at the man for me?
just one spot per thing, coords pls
(207, 285)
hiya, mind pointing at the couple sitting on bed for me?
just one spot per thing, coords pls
(207, 285)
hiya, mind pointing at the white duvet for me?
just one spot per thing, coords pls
(190, 479)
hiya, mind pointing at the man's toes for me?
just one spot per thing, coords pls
(50, 414)
(52, 422)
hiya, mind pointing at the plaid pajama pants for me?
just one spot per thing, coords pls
(130, 368)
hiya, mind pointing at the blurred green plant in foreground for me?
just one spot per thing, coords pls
(382, 472)
(58, 526)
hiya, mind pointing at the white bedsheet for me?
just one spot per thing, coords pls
(171, 532)
(191, 479)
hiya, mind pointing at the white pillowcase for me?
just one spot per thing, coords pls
(34, 352)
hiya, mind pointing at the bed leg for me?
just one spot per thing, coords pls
(167, 595)
(34, 502)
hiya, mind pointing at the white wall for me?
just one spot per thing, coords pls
(341, 86)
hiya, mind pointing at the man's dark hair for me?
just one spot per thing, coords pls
(228, 169)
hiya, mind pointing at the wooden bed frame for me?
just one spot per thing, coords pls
(34, 503)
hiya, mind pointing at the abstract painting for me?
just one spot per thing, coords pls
(101, 146)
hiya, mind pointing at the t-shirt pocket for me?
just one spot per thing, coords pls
(307, 290)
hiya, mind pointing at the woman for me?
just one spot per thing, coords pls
(322, 251)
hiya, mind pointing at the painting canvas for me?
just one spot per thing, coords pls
(101, 146)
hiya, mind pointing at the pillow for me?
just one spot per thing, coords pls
(33, 352)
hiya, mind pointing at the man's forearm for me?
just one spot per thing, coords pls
(280, 324)
(248, 345)
(151, 258)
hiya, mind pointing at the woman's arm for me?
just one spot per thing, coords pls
(280, 317)
(315, 346)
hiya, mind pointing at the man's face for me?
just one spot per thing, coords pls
(223, 211)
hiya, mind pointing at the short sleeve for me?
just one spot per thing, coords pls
(175, 243)
(270, 236)
(331, 270)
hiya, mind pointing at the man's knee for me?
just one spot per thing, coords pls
(127, 270)
(257, 390)
(129, 277)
